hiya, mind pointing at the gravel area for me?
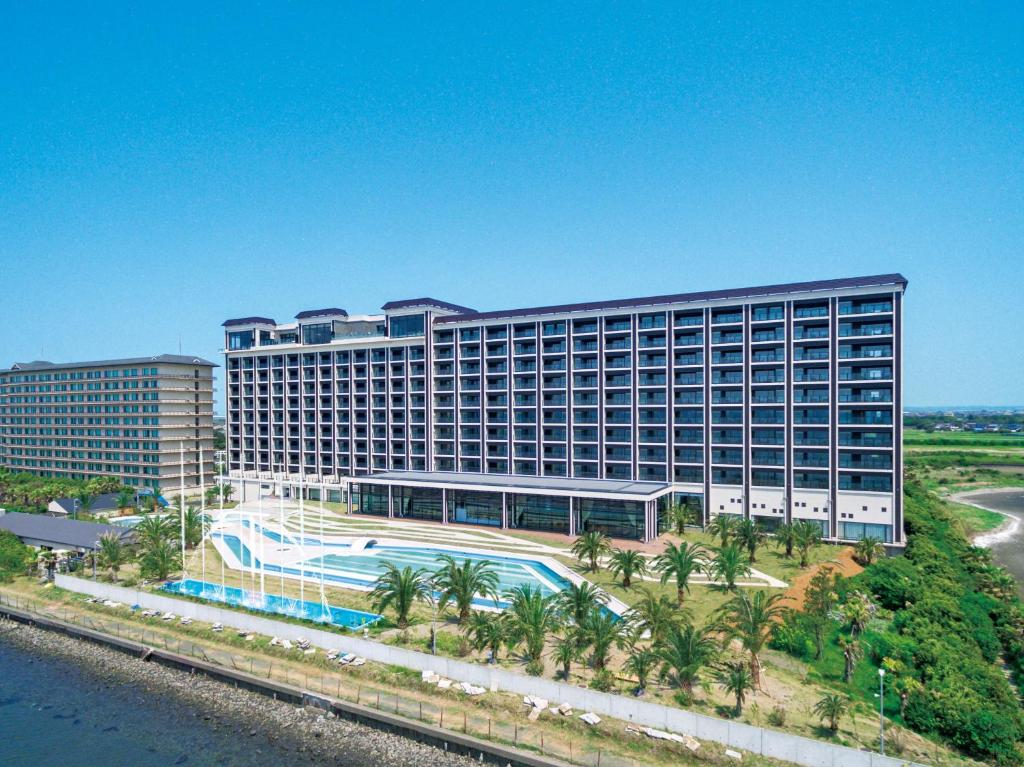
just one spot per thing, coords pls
(308, 736)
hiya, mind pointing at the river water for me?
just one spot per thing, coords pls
(1007, 545)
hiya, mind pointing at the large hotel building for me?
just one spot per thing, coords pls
(126, 418)
(779, 403)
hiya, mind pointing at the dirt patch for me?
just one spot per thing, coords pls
(842, 564)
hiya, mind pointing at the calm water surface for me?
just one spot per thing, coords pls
(53, 711)
(1009, 552)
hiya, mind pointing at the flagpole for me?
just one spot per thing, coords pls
(280, 504)
(302, 541)
(202, 514)
(263, 588)
(181, 506)
(223, 583)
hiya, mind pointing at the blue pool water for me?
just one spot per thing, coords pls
(363, 569)
(270, 603)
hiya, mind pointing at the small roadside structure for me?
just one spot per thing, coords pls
(46, 532)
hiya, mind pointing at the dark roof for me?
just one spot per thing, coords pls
(678, 298)
(248, 321)
(57, 531)
(178, 359)
(410, 303)
(321, 313)
(104, 502)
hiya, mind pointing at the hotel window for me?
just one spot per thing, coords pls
(402, 327)
(321, 333)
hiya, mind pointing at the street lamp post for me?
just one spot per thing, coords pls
(881, 711)
(433, 619)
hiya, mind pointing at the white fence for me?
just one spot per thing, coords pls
(758, 740)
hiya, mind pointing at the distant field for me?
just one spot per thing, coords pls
(961, 461)
(914, 438)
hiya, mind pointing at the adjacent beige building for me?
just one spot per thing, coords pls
(125, 418)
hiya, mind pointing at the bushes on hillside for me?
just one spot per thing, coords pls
(14, 556)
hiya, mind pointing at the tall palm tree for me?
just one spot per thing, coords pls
(724, 526)
(602, 630)
(627, 563)
(857, 612)
(735, 679)
(852, 653)
(750, 535)
(159, 559)
(730, 563)
(488, 631)
(657, 614)
(832, 707)
(751, 619)
(461, 584)
(808, 535)
(532, 617)
(400, 589)
(578, 600)
(680, 563)
(785, 536)
(153, 529)
(113, 553)
(641, 663)
(590, 547)
(867, 550)
(685, 651)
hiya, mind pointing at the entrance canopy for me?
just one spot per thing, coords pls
(624, 490)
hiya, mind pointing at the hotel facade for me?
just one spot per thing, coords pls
(778, 403)
(125, 418)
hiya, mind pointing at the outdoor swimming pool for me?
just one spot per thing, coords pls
(270, 603)
(361, 568)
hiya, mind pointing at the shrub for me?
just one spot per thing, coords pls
(777, 717)
(603, 680)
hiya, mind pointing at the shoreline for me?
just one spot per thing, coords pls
(1006, 531)
(306, 736)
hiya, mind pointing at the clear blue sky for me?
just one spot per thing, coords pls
(166, 166)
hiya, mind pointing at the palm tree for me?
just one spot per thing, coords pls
(832, 707)
(867, 550)
(734, 677)
(680, 562)
(807, 536)
(857, 612)
(194, 524)
(602, 629)
(641, 663)
(658, 614)
(488, 632)
(152, 502)
(729, 564)
(627, 563)
(567, 651)
(590, 547)
(85, 502)
(685, 651)
(751, 619)
(160, 559)
(153, 529)
(461, 584)
(532, 617)
(724, 526)
(679, 516)
(113, 553)
(400, 589)
(905, 687)
(125, 498)
(750, 535)
(852, 653)
(785, 536)
(579, 600)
